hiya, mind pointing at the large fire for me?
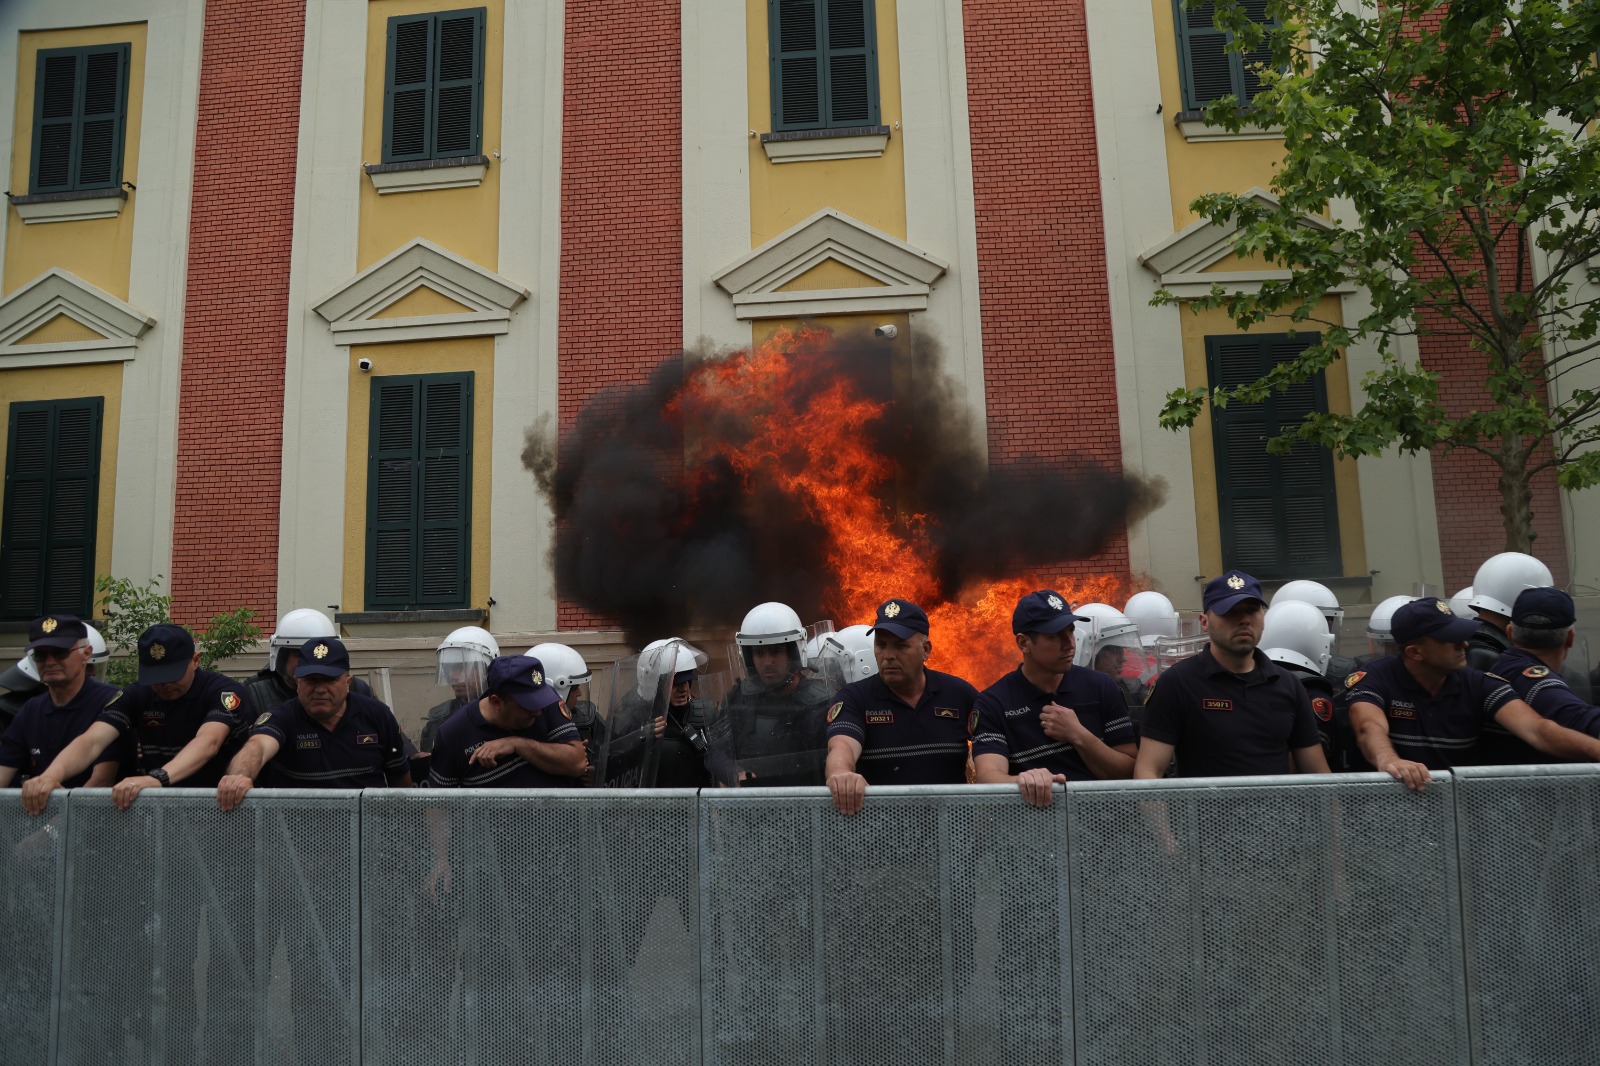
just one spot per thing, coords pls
(811, 443)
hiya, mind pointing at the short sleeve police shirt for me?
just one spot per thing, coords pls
(1438, 730)
(1010, 724)
(164, 727)
(41, 731)
(361, 751)
(1547, 692)
(902, 744)
(1230, 725)
(467, 730)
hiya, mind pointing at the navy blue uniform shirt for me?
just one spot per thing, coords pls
(1547, 692)
(1438, 731)
(1230, 725)
(41, 731)
(163, 727)
(362, 751)
(1009, 721)
(902, 744)
(467, 730)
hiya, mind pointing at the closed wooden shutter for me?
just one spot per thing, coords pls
(419, 492)
(1209, 70)
(1279, 513)
(79, 118)
(824, 64)
(433, 88)
(52, 493)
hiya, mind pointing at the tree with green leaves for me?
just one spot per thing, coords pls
(1449, 142)
(130, 609)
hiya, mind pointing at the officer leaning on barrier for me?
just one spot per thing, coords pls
(69, 704)
(908, 725)
(326, 737)
(1229, 710)
(519, 735)
(1425, 708)
(1543, 632)
(187, 723)
(1049, 720)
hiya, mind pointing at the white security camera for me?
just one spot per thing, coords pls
(888, 332)
(365, 365)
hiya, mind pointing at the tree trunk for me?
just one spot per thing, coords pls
(1516, 494)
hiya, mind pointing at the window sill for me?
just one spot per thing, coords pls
(421, 175)
(69, 206)
(467, 615)
(804, 146)
(1195, 129)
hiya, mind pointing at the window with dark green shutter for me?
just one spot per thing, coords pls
(433, 89)
(824, 56)
(52, 503)
(1279, 513)
(1209, 70)
(80, 117)
(419, 492)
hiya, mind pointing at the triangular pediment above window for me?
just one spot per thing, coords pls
(58, 319)
(1201, 255)
(421, 292)
(830, 264)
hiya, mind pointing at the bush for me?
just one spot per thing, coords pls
(226, 635)
(131, 609)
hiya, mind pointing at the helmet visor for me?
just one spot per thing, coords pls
(463, 671)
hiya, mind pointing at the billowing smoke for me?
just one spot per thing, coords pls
(665, 522)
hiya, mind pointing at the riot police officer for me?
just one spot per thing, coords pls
(1295, 636)
(771, 730)
(1495, 588)
(464, 658)
(1323, 599)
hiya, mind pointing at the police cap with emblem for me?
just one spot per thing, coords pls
(1225, 593)
(1043, 612)
(1543, 608)
(521, 678)
(902, 618)
(164, 654)
(56, 631)
(323, 657)
(1429, 617)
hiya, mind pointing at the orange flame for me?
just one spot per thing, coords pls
(814, 449)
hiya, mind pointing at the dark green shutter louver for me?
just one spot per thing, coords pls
(824, 64)
(433, 89)
(419, 493)
(1209, 71)
(79, 118)
(47, 540)
(1279, 513)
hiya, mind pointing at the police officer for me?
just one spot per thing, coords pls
(69, 704)
(772, 720)
(464, 658)
(1296, 638)
(326, 737)
(187, 723)
(274, 684)
(1324, 600)
(1425, 709)
(1543, 630)
(1049, 721)
(906, 726)
(1495, 588)
(518, 735)
(570, 676)
(1229, 710)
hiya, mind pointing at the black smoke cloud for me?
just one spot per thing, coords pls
(664, 545)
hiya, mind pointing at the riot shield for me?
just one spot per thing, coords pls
(776, 736)
(1578, 667)
(637, 700)
(1173, 650)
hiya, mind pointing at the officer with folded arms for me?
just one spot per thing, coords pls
(71, 701)
(519, 735)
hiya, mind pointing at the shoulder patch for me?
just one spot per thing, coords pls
(266, 716)
(1324, 708)
(1354, 679)
(564, 712)
(1536, 671)
(972, 723)
(833, 712)
(230, 701)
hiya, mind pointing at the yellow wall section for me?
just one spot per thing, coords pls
(420, 302)
(869, 190)
(830, 274)
(62, 329)
(466, 221)
(763, 329)
(98, 250)
(475, 354)
(1197, 326)
(70, 383)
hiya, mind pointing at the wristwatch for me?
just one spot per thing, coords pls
(161, 777)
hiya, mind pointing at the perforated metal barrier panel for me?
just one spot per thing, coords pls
(925, 929)
(1530, 854)
(1303, 921)
(31, 854)
(552, 928)
(194, 936)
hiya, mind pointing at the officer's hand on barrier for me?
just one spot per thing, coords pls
(490, 753)
(1035, 785)
(848, 790)
(231, 790)
(127, 790)
(439, 881)
(1413, 775)
(36, 793)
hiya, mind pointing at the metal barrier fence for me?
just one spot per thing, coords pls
(1306, 920)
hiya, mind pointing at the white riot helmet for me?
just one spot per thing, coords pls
(770, 624)
(464, 658)
(1317, 595)
(1154, 614)
(1500, 579)
(294, 629)
(1106, 627)
(1295, 633)
(564, 668)
(669, 657)
(1380, 627)
(98, 652)
(847, 653)
(1458, 604)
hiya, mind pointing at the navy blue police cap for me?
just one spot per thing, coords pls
(1543, 608)
(165, 651)
(521, 678)
(902, 618)
(1227, 591)
(1430, 617)
(56, 631)
(323, 657)
(1043, 612)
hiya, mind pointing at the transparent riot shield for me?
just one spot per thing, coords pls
(1173, 650)
(769, 736)
(1577, 670)
(636, 707)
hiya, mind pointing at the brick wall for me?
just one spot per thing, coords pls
(1049, 370)
(621, 206)
(230, 403)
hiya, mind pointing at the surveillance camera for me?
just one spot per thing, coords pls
(889, 332)
(365, 365)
